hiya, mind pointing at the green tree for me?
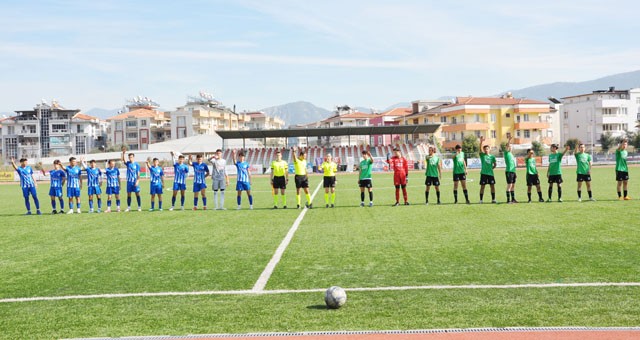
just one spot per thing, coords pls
(537, 148)
(470, 145)
(607, 141)
(573, 143)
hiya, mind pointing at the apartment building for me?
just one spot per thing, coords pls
(140, 126)
(588, 116)
(496, 118)
(346, 116)
(49, 130)
(388, 118)
(203, 115)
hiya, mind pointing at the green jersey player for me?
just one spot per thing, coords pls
(583, 171)
(554, 171)
(622, 171)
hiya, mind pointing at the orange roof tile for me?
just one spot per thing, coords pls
(399, 111)
(495, 101)
(140, 113)
(84, 116)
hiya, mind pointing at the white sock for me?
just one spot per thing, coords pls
(222, 199)
(215, 198)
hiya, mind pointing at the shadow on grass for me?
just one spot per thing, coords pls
(320, 307)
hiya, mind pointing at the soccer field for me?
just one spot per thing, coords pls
(407, 267)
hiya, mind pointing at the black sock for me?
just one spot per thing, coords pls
(559, 192)
(370, 196)
(540, 194)
(493, 196)
(589, 193)
(550, 192)
(455, 196)
(508, 197)
(626, 193)
(362, 196)
(438, 195)
(466, 194)
(426, 196)
(580, 194)
(529, 195)
(513, 195)
(481, 195)
(619, 194)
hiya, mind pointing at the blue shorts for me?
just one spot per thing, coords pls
(94, 191)
(156, 190)
(113, 190)
(132, 187)
(55, 192)
(197, 187)
(73, 192)
(179, 186)
(243, 186)
(29, 190)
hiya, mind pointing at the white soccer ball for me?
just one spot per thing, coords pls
(335, 297)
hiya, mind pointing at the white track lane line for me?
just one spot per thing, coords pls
(318, 290)
(271, 266)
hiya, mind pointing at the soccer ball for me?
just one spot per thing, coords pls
(335, 297)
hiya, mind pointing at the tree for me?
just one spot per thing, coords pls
(537, 148)
(607, 141)
(470, 145)
(573, 143)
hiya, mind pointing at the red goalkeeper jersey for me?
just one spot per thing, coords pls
(399, 165)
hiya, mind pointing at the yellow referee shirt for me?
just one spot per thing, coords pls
(329, 168)
(279, 168)
(300, 166)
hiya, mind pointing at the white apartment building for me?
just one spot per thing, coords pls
(49, 130)
(345, 116)
(204, 115)
(260, 121)
(587, 116)
(142, 125)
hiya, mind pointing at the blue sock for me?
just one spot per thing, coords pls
(182, 201)
(204, 201)
(37, 202)
(239, 199)
(78, 205)
(153, 204)
(159, 204)
(61, 204)
(90, 204)
(173, 201)
(108, 203)
(195, 201)
(70, 205)
(53, 204)
(129, 202)
(250, 200)
(118, 203)
(27, 204)
(99, 203)
(138, 199)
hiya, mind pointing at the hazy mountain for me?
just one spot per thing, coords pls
(102, 113)
(397, 105)
(298, 113)
(621, 81)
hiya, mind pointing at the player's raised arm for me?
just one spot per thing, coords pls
(173, 157)
(148, 164)
(566, 149)
(190, 160)
(124, 149)
(83, 164)
(233, 156)
(13, 164)
(620, 148)
(481, 143)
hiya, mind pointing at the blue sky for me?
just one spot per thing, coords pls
(257, 54)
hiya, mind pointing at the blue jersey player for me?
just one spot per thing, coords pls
(57, 177)
(113, 184)
(28, 184)
(94, 183)
(200, 173)
(74, 184)
(180, 174)
(157, 183)
(244, 178)
(133, 179)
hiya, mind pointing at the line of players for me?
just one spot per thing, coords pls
(280, 178)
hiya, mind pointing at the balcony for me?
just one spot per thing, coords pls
(531, 125)
(465, 127)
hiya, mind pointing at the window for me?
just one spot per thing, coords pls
(518, 119)
(58, 128)
(493, 117)
(143, 122)
(508, 115)
(118, 126)
(518, 133)
(638, 100)
(425, 121)
(443, 119)
(527, 134)
(11, 129)
(462, 119)
(566, 115)
(508, 135)
(453, 136)
(79, 128)
(454, 120)
(132, 135)
(181, 121)
(493, 133)
(132, 123)
(478, 133)
(477, 117)
(461, 135)
(380, 140)
(624, 111)
(607, 111)
(525, 117)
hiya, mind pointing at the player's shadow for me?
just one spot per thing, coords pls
(322, 307)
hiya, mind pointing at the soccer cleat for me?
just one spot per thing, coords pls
(396, 204)
(90, 211)
(529, 201)
(251, 207)
(559, 200)
(99, 211)
(108, 210)
(182, 208)
(38, 212)
(195, 208)
(151, 210)
(28, 213)
(493, 201)
(284, 207)
(61, 211)
(362, 204)
(54, 212)
(333, 206)
(514, 201)
(468, 202)
(579, 199)
(79, 211)
(238, 208)
(439, 203)
(139, 209)
(298, 206)
(627, 198)
(406, 203)
(620, 198)
(118, 210)
(480, 202)
(275, 207)
(426, 203)
(204, 208)
(370, 204)
(160, 209)
(326, 205)
(127, 210)
(592, 199)
(310, 206)
(70, 212)
(549, 200)
(541, 200)
(171, 209)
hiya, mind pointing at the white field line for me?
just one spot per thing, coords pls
(271, 266)
(317, 290)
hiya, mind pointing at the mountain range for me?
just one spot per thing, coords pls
(303, 112)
